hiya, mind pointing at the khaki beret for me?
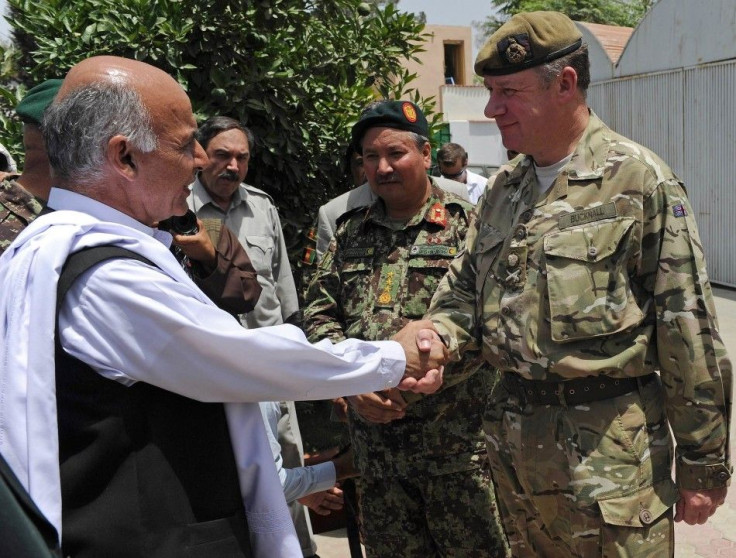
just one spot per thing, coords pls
(400, 115)
(527, 40)
(38, 98)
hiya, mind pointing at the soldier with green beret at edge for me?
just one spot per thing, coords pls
(22, 196)
(584, 282)
(422, 490)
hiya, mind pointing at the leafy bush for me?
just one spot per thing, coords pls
(11, 129)
(297, 72)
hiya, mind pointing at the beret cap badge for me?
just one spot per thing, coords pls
(409, 112)
(516, 48)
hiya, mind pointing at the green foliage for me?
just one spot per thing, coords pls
(11, 129)
(626, 13)
(297, 72)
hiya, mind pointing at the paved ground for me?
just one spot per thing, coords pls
(717, 538)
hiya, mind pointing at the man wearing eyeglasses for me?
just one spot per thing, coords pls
(453, 161)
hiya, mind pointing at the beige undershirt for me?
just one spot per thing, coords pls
(546, 175)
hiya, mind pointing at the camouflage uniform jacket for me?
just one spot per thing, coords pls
(371, 282)
(603, 274)
(17, 209)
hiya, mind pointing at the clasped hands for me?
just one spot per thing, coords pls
(426, 356)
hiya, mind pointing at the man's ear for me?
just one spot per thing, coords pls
(427, 155)
(567, 85)
(122, 156)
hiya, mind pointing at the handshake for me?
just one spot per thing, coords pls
(426, 356)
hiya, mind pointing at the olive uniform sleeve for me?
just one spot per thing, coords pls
(322, 312)
(694, 367)
(453, 306)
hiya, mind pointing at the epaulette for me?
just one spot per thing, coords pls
(258, 191)
(349, 213)
(451, 199)
(465, 205)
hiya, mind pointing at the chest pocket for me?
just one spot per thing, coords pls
(356, 289)
(487, 248)
(260, 250)
(587, 281)
(426, 266)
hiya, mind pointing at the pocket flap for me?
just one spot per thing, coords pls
(590, 243)
(641, 508)
(488, 237)
(265, 243)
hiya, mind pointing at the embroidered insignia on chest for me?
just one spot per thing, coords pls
(438, 215)
(590, 215)
(433, 249)
(386, 292)
(679, 210)
(358, 252)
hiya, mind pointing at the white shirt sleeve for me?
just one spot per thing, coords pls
(131, 322)
(297, 481)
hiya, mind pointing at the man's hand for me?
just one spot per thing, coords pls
(198, 247)
(381, 408)
(696, 506)
(325, 502)
(344, 465)
(426, 356)
(340, 409)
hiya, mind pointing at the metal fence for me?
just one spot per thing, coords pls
(688, 117)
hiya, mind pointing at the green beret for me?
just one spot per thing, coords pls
(31, 107)
(527, 40)
(401, 115)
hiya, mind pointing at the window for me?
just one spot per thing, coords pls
(454, 63)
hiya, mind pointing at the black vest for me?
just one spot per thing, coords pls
(145, 473)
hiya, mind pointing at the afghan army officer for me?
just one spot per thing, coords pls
(422, 490)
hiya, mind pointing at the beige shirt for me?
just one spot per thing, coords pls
(254, 220)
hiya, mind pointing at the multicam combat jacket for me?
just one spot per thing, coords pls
(375, 278)
(17, 209)
(603, 274)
